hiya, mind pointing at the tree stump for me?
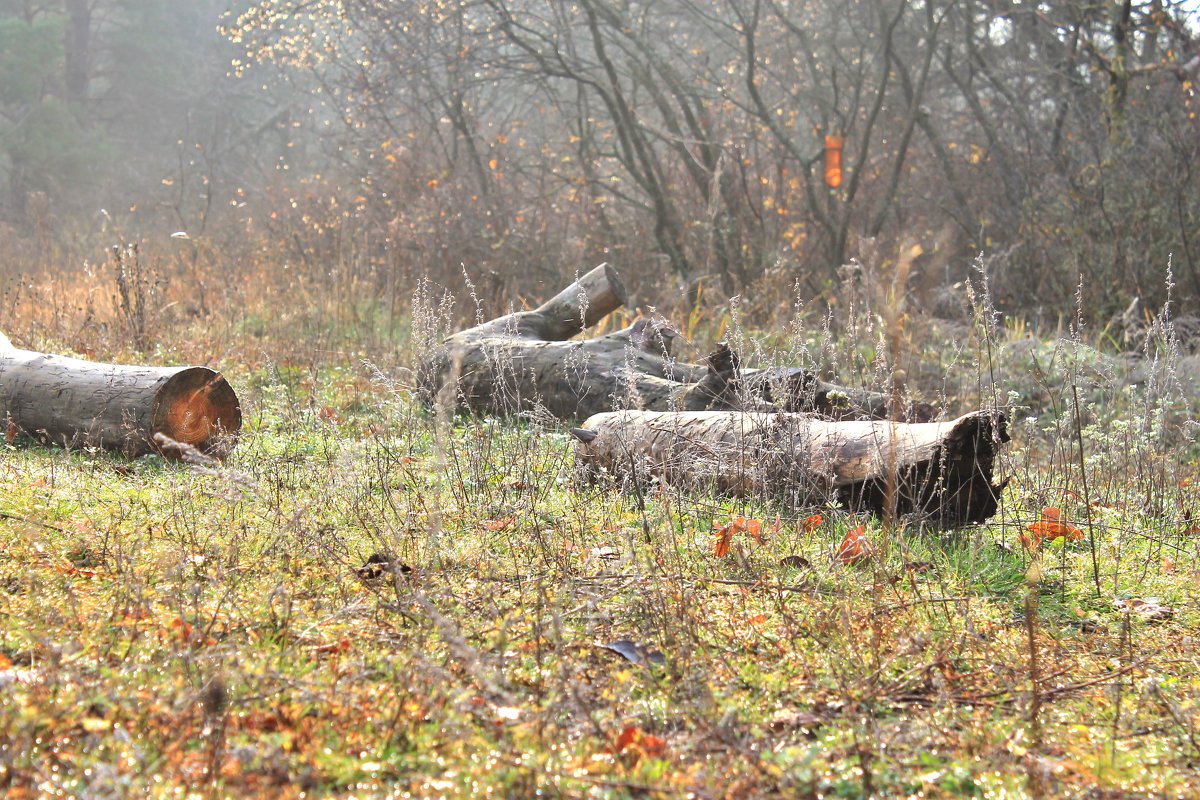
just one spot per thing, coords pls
(942, 469)
(76, 404)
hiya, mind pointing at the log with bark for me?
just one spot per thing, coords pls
(940, 469)
(79, 404)
(526, 361)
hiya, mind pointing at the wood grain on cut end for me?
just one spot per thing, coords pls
(198, 407)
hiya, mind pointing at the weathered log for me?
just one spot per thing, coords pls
(75, 403)
(523, 361)
(942, 469)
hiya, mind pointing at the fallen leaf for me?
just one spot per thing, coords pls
(604, 554)
(182, 629)
(753, 528)
(811, 523)
(378, 565)
(634, 741)
(340, 646)
(499, 524)
(723, 536)
(633, 652)
(627, 737)
(855, 547)
(1148, 609)
(1049, 528)
(786, 719)
(799, 562)
(722, 539)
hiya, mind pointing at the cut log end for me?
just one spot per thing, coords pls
(197, 407)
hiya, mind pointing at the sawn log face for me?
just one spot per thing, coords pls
(74, 403)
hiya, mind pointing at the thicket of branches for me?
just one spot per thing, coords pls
(684, 141)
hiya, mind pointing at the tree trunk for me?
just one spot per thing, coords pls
(942, 469)
(523, 363)
(74, 403)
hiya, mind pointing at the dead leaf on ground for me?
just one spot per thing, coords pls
(797, 562)
(637, 743)
(604, 553)
(378, 565)
(1148, 609)
(723, 535)
(790, 719)
(340, 646)
(633, 652)
(855, 547)
(1049, 528)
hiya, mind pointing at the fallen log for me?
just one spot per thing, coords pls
(527, 361)
(78, 404)
(940, 469)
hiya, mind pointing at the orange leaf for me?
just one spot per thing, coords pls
(855, 547)
(499, 524)
(724, 534)
(810, 524)
(182, 629)
(627, 737)
(721, 542)
(651, 745)
(340, 646)
(1049, 528)
(634, 741)
(753, 528)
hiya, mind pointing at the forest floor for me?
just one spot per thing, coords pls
(368, 599)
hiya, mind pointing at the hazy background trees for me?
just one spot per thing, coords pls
(367, 142)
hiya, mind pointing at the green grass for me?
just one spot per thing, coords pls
(167, 631)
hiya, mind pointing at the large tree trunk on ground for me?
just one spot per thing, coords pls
(942, 469)
(522, 362)
(74, 403)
